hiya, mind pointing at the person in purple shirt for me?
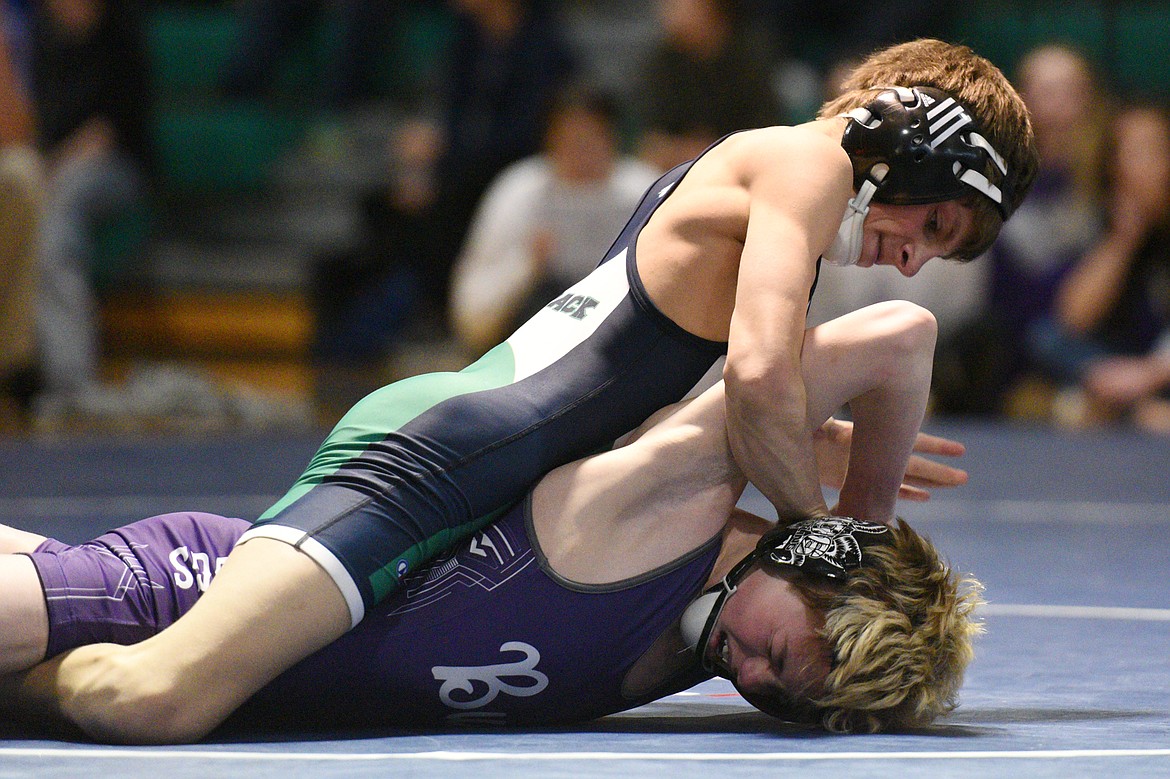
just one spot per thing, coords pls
(620, 578)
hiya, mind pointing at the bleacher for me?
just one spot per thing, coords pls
(249, 191)
(1126, 38)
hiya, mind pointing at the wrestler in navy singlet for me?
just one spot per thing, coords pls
(418, 465)
(490, 633)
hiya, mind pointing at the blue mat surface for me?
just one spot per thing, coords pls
(1068, 533)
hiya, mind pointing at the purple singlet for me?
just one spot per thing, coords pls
(489, 634)
(132, 582)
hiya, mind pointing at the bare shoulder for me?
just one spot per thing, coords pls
(806, 156)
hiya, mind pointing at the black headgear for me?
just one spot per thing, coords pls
(828, 547)
(928, 149)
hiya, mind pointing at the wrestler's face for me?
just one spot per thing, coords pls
(907, 237)
(768, 643)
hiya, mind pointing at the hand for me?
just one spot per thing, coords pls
(544, 247)
(1132, 215)
(95, 138)
(831, 443)
(1121, 381)
(923, 474)
(415, 147)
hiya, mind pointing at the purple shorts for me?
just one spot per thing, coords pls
(132, 582)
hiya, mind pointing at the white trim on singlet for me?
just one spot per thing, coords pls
(321, 555)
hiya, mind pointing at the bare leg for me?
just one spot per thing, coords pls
(13, 541)
(24, 622)
(267, 609)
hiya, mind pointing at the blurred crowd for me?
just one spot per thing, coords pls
(514, 161)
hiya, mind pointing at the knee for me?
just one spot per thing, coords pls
(898, 343)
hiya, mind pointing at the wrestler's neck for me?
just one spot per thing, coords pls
(833, 127)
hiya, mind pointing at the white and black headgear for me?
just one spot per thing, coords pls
(932, 146)
(914, 145)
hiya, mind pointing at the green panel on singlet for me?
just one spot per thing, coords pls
(389, 408)
(385, 580)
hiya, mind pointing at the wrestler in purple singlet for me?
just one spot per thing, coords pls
(490, 633)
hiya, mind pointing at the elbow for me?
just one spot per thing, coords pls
(758, 386)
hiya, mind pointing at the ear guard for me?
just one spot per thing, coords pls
(826, 547)
(932, 147)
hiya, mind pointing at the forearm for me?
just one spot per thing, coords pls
(496, 270)
(1092, 287)
(886, 425)
(878, 360)
(771, 441)
(485, 296)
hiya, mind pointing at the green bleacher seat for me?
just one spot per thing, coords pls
(1142, 61)
(1126, 39)
(188, 48)
(225, 147)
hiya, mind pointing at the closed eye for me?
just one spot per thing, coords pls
(776, 659)
(932, 226)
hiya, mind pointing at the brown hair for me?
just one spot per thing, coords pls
(900, 629)
(977, 84)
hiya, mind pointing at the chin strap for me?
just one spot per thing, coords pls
(846, 247)
(699, 618)
(824, 547)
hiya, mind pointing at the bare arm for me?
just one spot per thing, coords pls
(1093, 286)
(496, 267)
(795, 209)
(1138, 201)
(625, 511)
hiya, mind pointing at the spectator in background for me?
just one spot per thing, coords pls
(545, 220)
(1101, 338)
(20, 194)
(509, 59)
(703, 80)
(90, 93)
(991, 362)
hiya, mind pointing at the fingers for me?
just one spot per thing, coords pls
(906, 492)
(923, 474)
(933, 444)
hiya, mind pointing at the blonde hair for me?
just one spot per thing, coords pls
(901, 630)
(977, 84)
